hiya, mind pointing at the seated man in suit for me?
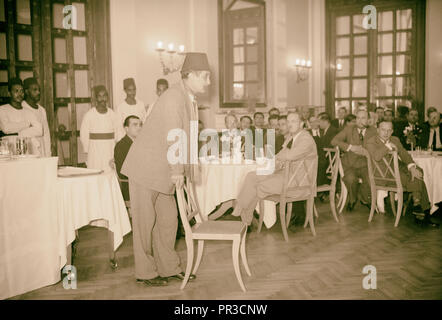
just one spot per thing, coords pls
(132, 126)
(339, 122)
(282, 138)
(432, 131)
(245, 122)
(327, 133)
(256, 187)
(354, 163)
(273, 123)
(258, 119)
(350, 120)
(380, 112)
(408, 131)
(380, 145)
(231, 135)
(388, 115)
(305, 116)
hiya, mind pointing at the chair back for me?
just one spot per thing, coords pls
(300, 174)
(384, 173)
(334, 161)
(187, 207)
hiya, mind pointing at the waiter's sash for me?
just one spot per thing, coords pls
(102, 136)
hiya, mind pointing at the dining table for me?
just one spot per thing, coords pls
(431, 164)
(41, 208)
(220, 181)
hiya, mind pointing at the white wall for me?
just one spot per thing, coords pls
(295, 29)
(433, 75)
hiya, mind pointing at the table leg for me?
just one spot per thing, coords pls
(224, 207)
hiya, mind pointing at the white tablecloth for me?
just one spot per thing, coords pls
(29, 255)
(95, 200)
(432, 167)
(223, 182)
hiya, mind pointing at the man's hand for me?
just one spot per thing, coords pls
(393, 146)
(357, 150)
(112, 164)
(178, 181)
(415, 173)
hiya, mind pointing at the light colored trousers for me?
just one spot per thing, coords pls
(255, 188)
(154, 227)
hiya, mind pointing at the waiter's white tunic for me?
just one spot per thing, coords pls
(100, 151)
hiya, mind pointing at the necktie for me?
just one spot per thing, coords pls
(433, 145)
(289, 145)
(361, 135)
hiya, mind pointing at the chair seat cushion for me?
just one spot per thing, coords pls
(219, 227)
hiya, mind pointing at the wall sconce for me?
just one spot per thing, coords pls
(302, 69)
(176, 58)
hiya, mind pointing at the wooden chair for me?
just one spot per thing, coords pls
(209, 230)
(385, 177)
(298, 176)
(344, 192)
(334, 160)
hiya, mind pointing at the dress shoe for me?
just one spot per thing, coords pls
(429, 221)
(155, 282)
(368, 205)
(180, 276)
(350, 206)
(113, 264)
(418, 212)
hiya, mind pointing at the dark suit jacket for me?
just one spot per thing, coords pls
(425, 138)
(335, 123)
(325, 140)
(377, 150)
(279, 141)
(120, 152)
(350, 136)
(147, 163)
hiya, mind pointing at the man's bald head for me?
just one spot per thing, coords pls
(385, 130)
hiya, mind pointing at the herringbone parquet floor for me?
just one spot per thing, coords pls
(328, 266)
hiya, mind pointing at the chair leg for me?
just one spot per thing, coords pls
(289, 213)
(199, 255)
(373, 205)
(309, 214)
(315, 211)
(235, 256)
(189, 244)
(393, 205)
(333, 204)
(343, 198)
(400, 202)
(261, 215)
(243, 254)
(282, 215)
